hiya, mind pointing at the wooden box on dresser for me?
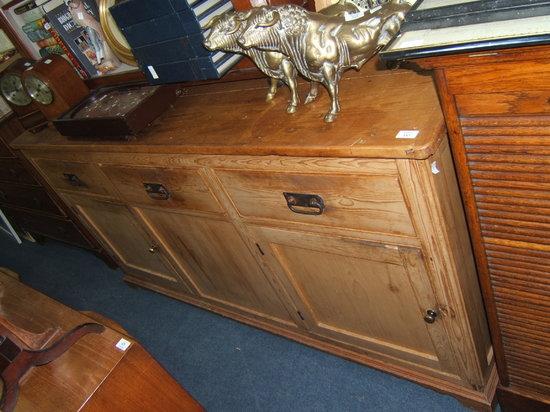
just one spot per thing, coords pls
(497, 107)
(367, 256)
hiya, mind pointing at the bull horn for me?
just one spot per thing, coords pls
(237, 25)
(211, 22)
(276, 17)
(243, 15)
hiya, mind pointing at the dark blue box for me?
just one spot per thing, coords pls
(131, 12)
(167, 40)
(173, 72)
(157, 30)
(172, 50)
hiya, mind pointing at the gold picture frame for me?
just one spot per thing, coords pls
(113, 35)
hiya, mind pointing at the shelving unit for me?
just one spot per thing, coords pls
(12, 23)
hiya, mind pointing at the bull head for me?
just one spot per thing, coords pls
(270, 19)
(259, 22)
(221, 28)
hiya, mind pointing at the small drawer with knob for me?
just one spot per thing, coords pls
(174, 188)
(75, 177)
(372, 203)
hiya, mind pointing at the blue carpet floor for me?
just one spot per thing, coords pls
(225, 365)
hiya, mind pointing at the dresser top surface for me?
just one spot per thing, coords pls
(234, 118)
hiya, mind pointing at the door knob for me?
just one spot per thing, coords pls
(430, 316)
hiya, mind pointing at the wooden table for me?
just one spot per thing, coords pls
(93, 375)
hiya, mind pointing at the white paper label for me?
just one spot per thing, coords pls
(153, 72)
(375, 9)
(123, 344)
(407, 134)
(258, 3)
(47, 26)
(80, 15)
(47, 61)
(353, 16)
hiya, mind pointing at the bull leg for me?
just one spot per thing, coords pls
(313, 92)
(272, 89)
(290, 75)
(330, 80)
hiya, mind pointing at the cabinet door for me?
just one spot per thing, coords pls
(218, 263)
(121, 232)
(368, 295)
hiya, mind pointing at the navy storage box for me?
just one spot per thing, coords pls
(166, 38)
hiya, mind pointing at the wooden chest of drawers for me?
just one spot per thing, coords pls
(339, 236)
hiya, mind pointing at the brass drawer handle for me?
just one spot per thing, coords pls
(156, 191)
(73, 180)
(304, 204)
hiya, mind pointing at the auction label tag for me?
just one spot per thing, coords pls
(123, 344)
(153, 72)
(407, 134)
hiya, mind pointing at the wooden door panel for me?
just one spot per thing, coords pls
(364, 294)
(123, 235)
(217, 262)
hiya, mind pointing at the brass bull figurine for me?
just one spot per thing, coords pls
(226, 28)
(322, 47)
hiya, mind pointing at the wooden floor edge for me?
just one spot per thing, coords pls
(470, 397)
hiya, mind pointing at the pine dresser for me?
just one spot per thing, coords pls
(349, 237)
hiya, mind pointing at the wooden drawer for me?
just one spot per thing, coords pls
(498, 77)
(164, 187)
(359, 202)
(510, 103)
(75, 177)
(27, 197)
(56, 228)
(12, 170)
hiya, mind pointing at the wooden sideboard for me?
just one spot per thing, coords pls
(340, 236)
(497, 107)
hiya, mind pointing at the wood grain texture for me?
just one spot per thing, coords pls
(358, 280)
(93, 375)
(89, 178)
(186, 187)
(124, 388)
(496, 109)
(205, 121)
(217, 263)
(61, 383)
(132, 246)
(357, 305)
(362, 202)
